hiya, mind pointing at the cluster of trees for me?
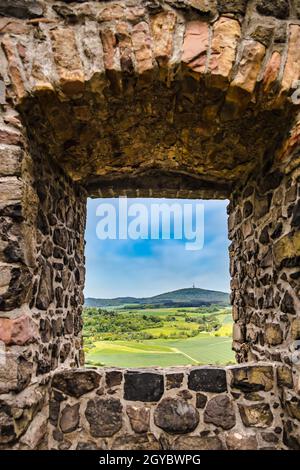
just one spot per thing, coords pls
(97, 320)
(207, 323)
(100, 324)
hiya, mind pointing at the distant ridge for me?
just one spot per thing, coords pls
(182, 297)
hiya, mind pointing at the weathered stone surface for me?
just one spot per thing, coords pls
(201, 400)
(296, 216)
(76, 383)
(258, 415)
(15, 72)
(291, 435)
(239, 441)
(270, 437)
(220, 412)
(287, 304)
(249, 68)
(175, 415)
(68, 62)
(232, 6)
(21, 330)
(295, 329)
(226, 33)
(253, 378)
(274, 335)
(104, 416)
(141, 42)
(113, 378)
(287, 247)
(14, 26)
(69, 419)
(11, 190)
(162, 26)
(277, 8)
(197, 443)
(271, 71)
(143, 386)
(139, 417)
(207, 9)
(208, 380)
(174, 380)
(21, 8)
(292, 66)
(292, 403)
(195, 45)
(285, 376)
(10, 160)
(45, 292)
(238, 332)
(36, 432)
(129, 442)
(15, 372)
(54, 410)
(16, 414)
(15, 286)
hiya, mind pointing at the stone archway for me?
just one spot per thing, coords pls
(179, 98)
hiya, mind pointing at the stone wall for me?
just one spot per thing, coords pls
(264, 220)
(183, 98)
(42, 220)
(236, 407)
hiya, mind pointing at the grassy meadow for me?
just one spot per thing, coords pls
(145, 337)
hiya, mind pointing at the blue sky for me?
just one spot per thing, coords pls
(148, 267)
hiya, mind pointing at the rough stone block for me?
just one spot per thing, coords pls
(197, 443)
(252, 378)
(274, 334)
(132, 443)
(232, 6)
(175, 415)
(113, 378)
(195, 45)
(15, 371)
(287, 247)
(174, 380)
(285, 376)
(240, 441)
(257, 416)
(201, 400)
(104, 416)
(295, 329)
(19, 331)
(226, 33)
(162, 27)
(36, 432)
(208, 380)
(69, 419)
(278, 8)
(292, 67)
(143, 386)
(139, 417)
(76, 382)
(292, 403)
(68, 61)
(10, 160)
(21, 8)
(11, 190)
(220, 412)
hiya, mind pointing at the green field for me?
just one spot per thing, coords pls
(191, 351)
(175, 341)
